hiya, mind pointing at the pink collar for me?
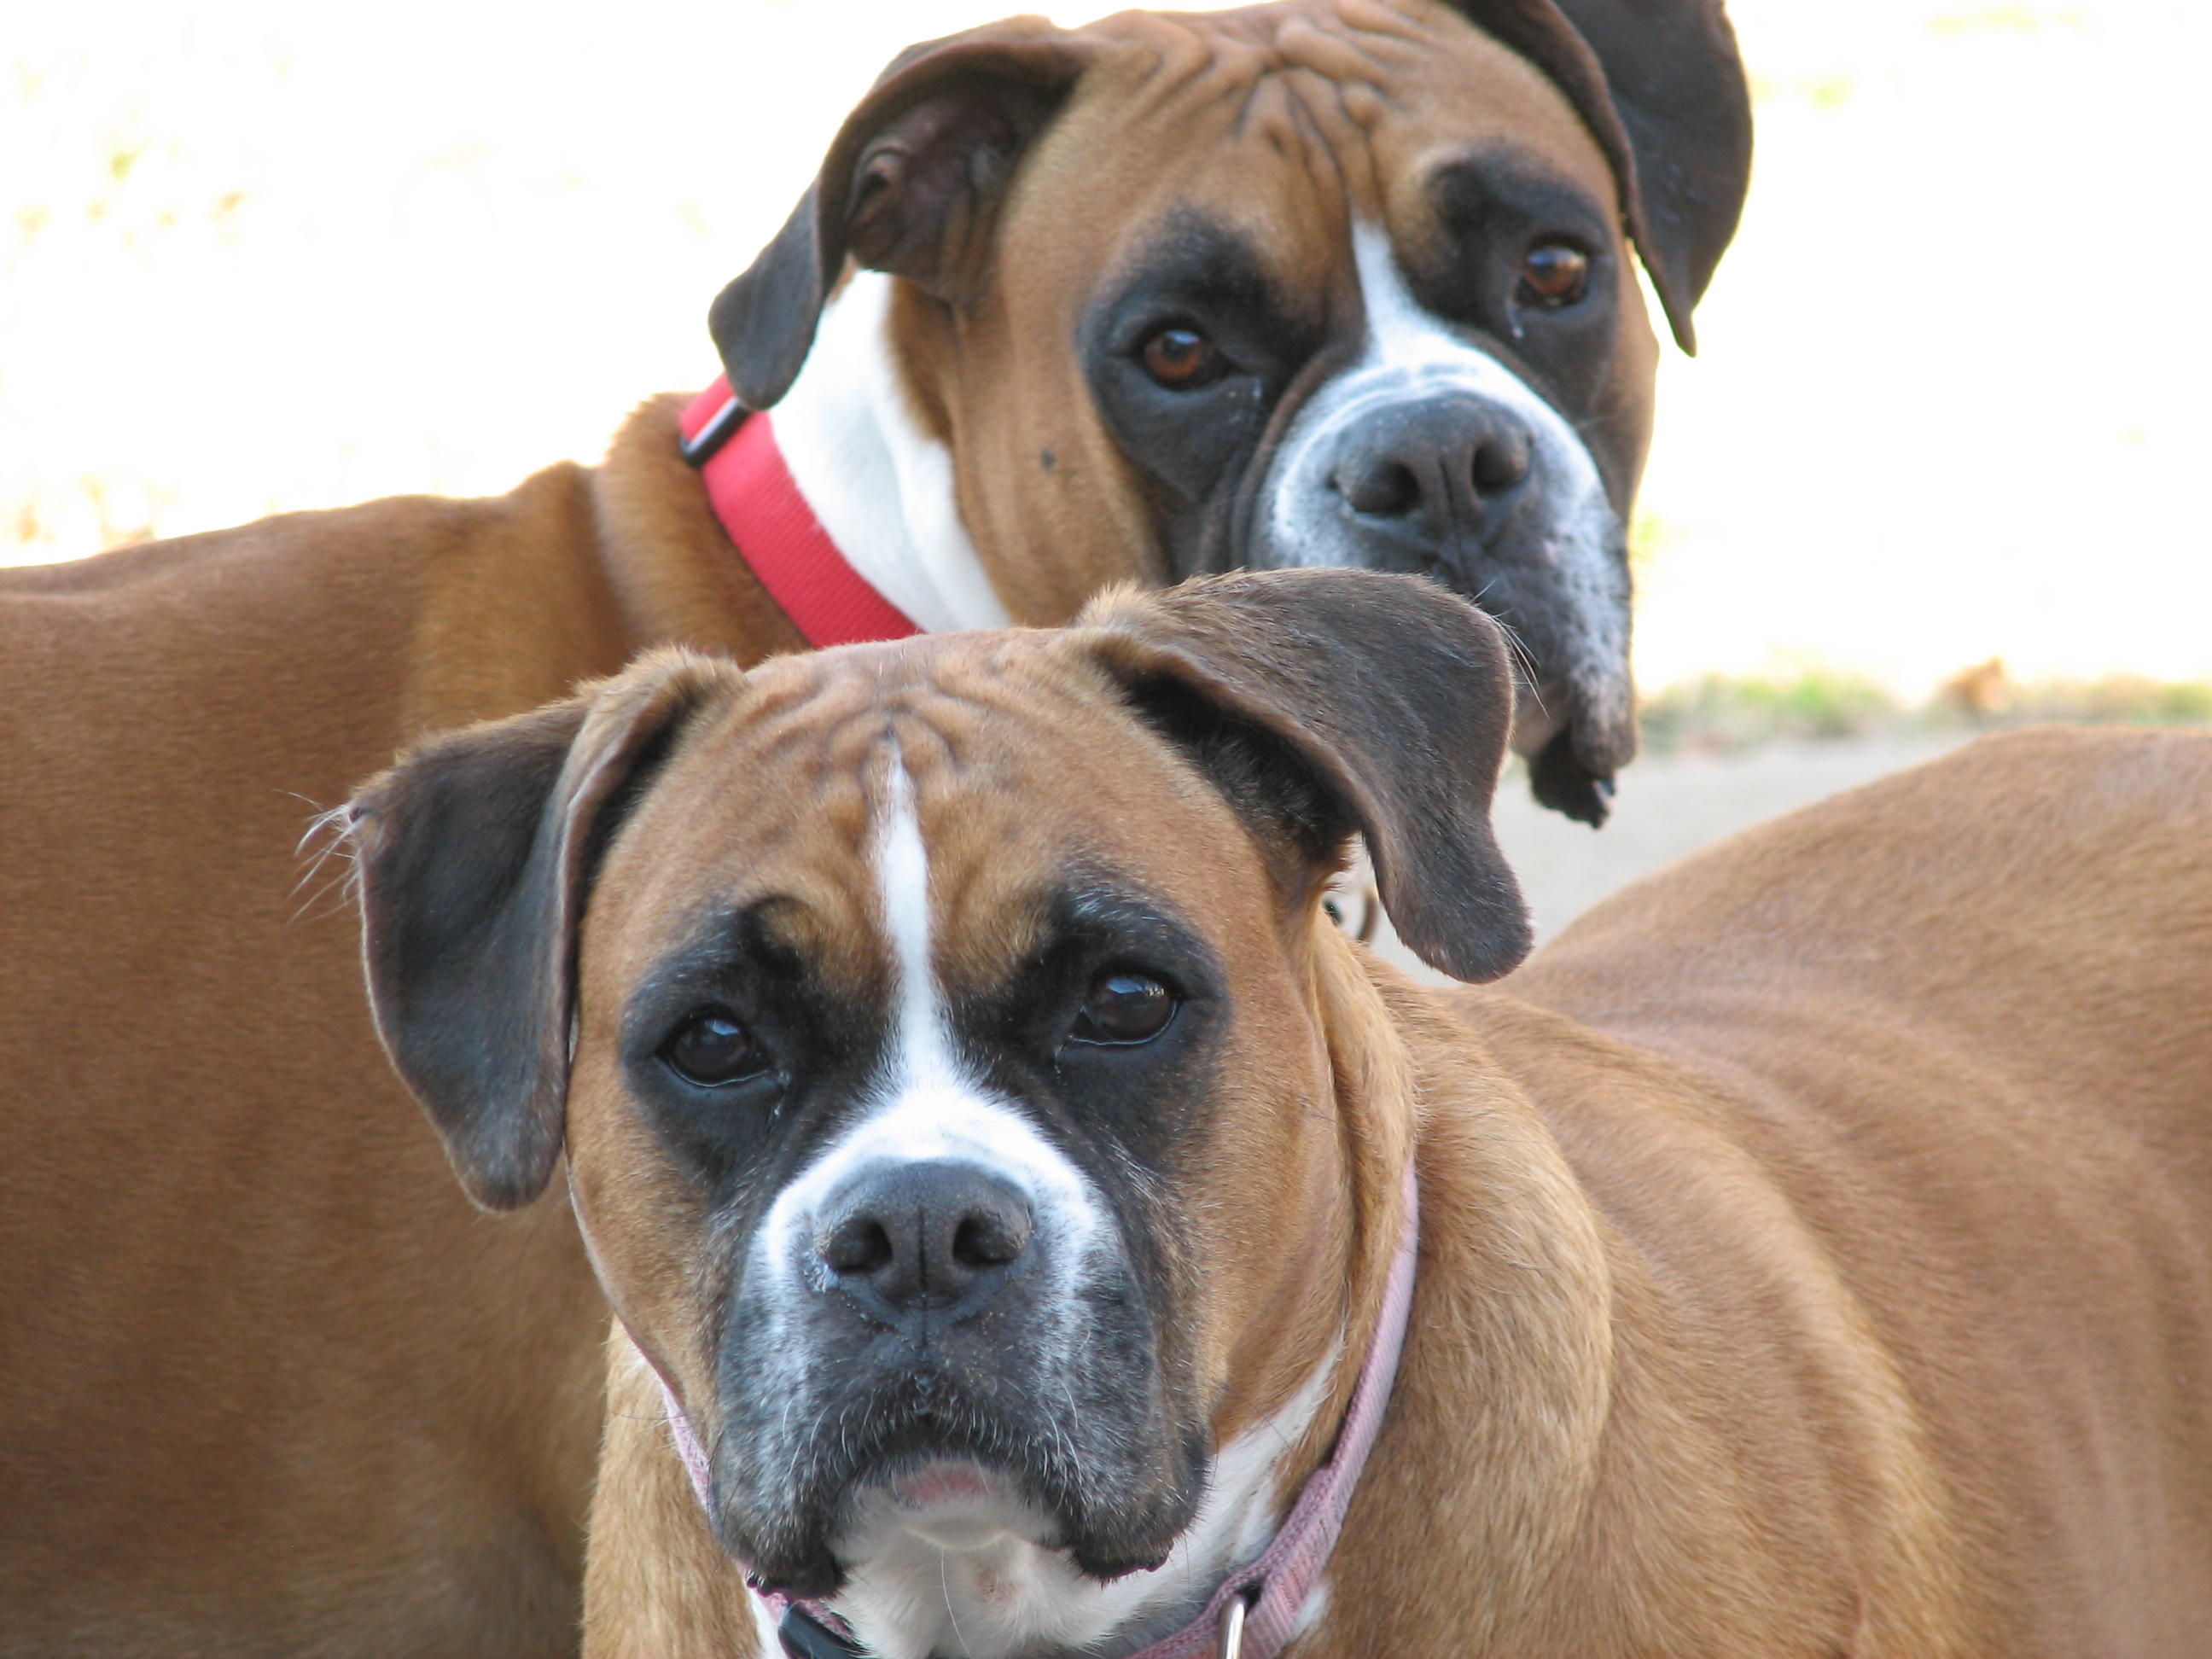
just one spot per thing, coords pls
(775, 531)
(1271, 1591)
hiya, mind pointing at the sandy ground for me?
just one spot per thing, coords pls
(256, 255)
(1670, 807)
(1666, 809)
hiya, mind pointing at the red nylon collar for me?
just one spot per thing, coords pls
(775, 531)
(1273, 1588)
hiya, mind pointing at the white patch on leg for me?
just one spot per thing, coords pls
(880, 485)
(766, 1639)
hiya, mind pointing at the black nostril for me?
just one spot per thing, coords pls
(1385, 488)
(988, 1241)
(1499, 463)
(858, 1246)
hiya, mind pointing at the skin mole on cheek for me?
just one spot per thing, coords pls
(1046, 459)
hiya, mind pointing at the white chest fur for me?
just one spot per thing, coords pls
(881, 486)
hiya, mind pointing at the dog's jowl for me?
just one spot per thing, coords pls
(1029, 1222)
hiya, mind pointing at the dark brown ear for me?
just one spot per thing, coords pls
(911, 185)
(1338, 699)
(474, 853)
(1661, 86)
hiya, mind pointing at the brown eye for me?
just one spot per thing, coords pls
(1123, 1007)
(1554, 274)
(710, 1047)
(1180, 359)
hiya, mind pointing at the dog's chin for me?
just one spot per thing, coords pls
(1575, 738)
(951, 1495)
(945, 1504)
(1563, 780)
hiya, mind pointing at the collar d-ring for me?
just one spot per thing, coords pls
(1232, 1625)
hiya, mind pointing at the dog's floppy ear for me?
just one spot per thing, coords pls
(911, 185)
(1661, 86)
(473, 855)
(1337, 699)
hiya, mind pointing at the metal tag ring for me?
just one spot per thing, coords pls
(1232, 1624)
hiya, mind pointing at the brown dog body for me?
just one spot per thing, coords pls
(250, 1375)
(1899, 1110)
(1816, 1242)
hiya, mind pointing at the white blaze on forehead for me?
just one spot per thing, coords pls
(881, 486)
(924, 1104)
(902, 885)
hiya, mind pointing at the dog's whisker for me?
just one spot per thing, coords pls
(328, 838)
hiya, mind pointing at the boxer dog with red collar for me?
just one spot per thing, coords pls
(1334, 281)
(1035, 1231)
(1367, 300)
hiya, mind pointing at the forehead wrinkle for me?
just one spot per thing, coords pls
(1292, 111)
(1370, 45)
(768, 843)
(1314, 81)
(770, 800)
(969, 739)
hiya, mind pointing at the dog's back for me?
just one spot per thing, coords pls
(1958, 1020)
(231, 1244)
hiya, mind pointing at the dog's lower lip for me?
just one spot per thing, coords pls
(952, 1504)
(942, 1483)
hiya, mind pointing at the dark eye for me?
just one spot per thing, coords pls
(1181, 358)
(1123, 1007)
(710, 1047)
(1552, 275)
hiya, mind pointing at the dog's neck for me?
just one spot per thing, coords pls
(881, 485)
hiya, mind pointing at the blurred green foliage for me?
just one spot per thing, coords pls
(1724, 713)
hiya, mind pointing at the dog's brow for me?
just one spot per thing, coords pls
(776, 933)
(1092, 912)
(1194, 256)
(1474, 182)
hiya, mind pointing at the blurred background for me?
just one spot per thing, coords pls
(1939, 465)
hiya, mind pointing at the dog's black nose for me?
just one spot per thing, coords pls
(1433, 468)
(928, 1234)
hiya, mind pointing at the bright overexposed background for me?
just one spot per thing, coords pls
(1951, 401)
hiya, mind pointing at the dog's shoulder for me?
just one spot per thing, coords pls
(2051, 830)
(2031, 905)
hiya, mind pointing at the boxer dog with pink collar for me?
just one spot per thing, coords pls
(1035, 1231)
(1343, 281)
